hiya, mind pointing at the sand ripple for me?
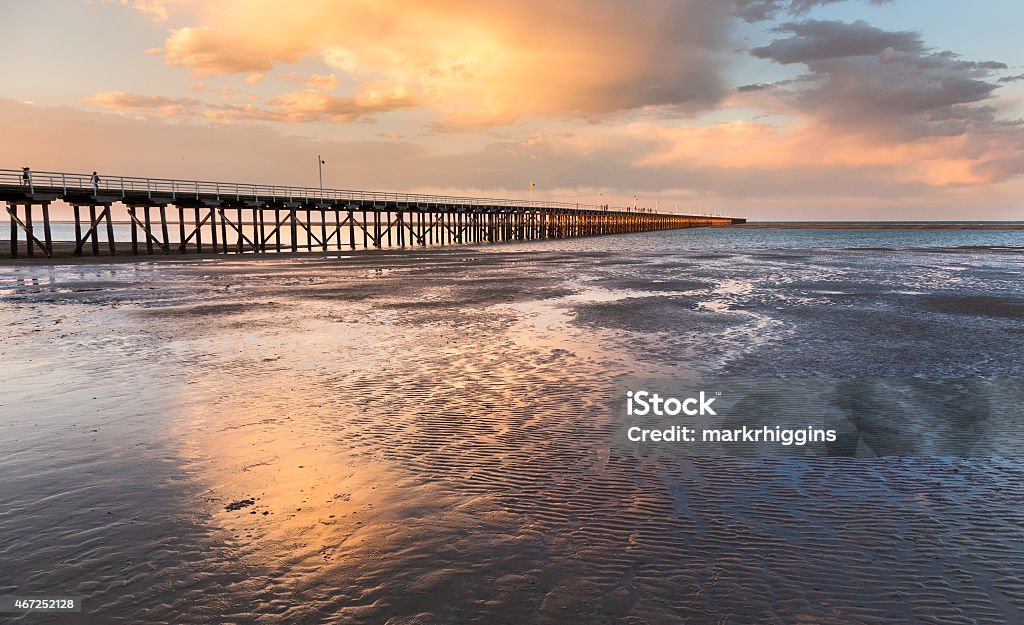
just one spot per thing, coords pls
(426, 440)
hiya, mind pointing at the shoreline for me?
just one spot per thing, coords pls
(874, 225)
(66, 257)
(63, 250)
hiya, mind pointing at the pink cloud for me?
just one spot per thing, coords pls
(159, 106)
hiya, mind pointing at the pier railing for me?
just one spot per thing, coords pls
(111, 185)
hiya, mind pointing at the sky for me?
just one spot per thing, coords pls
(767, 109)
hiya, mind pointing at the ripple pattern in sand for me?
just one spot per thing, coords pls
(426, 440)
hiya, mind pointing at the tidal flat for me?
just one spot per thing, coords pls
(423, 436)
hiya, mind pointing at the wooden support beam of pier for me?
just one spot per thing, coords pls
(337, 226)
(213, 228)
(30, 249)
(387, 231)
(194, 234)
(237, 228)
(439, 223)
(276, 232)
(111, 244)
(323, 227)
(367, 235)
(135, 229)
(146, 229)
(94, 231)
(47, 234)
(309, 233)
(163, 230)
(181, 229)
(241, 239)
(260, 233)
(94, 223)
(30, 239)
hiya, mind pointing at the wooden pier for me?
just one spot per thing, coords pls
(167, 216)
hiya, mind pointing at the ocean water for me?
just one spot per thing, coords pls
(424, 436)
(753, 238)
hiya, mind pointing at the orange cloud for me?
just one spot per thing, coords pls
(477, 62)
(155, 8)
(745, 145)
(322, 81)
(311, 104)
(158, 106)
(297, 107)
(893, 106)
(563, 164)
(315, 105)
(208, 51)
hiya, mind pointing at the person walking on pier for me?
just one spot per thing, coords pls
(95, 184)
(26, 176)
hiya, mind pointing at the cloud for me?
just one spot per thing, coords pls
(618, 161)
(480, 62)
(813, 41)
(309, 105)
(155, 9)
(315, 105)
(322, 81)
(208, 51)
(889, 88)
(312, 104)
(702, 167)
(938, 161)
(889, 81)
(759, 86)
(867, 110)
(761, 10)
(159, 106)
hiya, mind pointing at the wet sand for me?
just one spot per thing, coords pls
(424, 438)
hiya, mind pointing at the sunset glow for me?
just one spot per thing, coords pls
(770, 109)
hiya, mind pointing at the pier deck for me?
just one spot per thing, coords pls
(166, 216)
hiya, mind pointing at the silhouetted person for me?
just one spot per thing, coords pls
(95, 184)
(26, 176)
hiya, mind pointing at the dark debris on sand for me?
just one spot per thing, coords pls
(238, 505)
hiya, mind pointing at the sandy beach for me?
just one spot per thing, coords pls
(423, 437)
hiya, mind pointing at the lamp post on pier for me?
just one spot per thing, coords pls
(320, 167)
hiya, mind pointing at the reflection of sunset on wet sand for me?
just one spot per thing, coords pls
(304, 413)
